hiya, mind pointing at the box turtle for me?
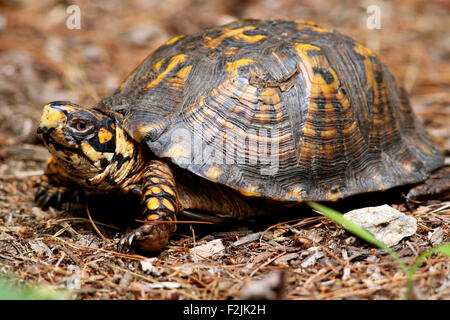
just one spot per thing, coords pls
(234, 118)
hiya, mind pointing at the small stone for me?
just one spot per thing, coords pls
(270, 287)
(436, 236)
(148, 267)
(384, 222)
(40, 248)
(208, 249)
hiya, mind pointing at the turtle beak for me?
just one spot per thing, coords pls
(53, 115)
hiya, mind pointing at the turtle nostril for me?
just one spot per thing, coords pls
(42, 129)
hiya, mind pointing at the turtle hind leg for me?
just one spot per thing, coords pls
(161, 204)
(437, 186)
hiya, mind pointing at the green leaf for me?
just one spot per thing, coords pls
(10, 290)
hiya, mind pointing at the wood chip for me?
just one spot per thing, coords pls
(207, 250)
(250, 238)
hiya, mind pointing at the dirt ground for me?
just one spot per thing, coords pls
(307, 256)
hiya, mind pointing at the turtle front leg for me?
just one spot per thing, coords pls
(53, 189)
(161, 204)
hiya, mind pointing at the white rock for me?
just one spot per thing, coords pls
(208, 249)
(384, 222)
(148, 267)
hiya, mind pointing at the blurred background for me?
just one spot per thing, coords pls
(47, 54)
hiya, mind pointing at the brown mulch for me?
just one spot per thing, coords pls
(75, 248)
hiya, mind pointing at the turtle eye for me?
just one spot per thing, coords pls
(81, 125)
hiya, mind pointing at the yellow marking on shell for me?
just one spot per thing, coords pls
(122, 85)
(426, 149)
(334, 193)
(213, 172)
(234, 65)
(184, 72)
(225, 123)
(363, 50)
(348, 129)
(140, 131)
(408, 167)
(328, 132)
(229, 51)
(270, 96)
(158, 64)
(153, 203)
(319, 85)
(308, 129)
(174, 61)
(104, 135)
(320, 30)
(249, 93)
(294, 193)
(307, 62)
(369, 68)
(177, 81)
(237, 34)
(306, 22)
(168, 205)
(250, 191)
(173, 40)
(263, 116)
(302, 24)
(177, 150)
(153, 217)
(167, 189)
(129, 77)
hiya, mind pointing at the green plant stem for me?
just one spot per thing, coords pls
(362, 233)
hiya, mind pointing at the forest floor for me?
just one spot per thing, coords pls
(305, 256)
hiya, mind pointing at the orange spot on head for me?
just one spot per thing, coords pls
(104, 135)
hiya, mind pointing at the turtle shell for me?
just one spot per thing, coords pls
(279, 109)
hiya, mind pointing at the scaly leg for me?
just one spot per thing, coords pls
(161, 204)
(437, 186)
(53, 189)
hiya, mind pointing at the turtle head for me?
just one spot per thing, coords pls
(83, 140)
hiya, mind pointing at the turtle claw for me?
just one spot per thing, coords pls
(49, 195)
(148, 237)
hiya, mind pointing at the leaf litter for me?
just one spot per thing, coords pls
(302, 257)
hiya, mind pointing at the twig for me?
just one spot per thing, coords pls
(93, 224)
(274, 226)
(266, 263)
(155, 281)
